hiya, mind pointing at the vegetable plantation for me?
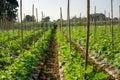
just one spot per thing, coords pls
(79, 48)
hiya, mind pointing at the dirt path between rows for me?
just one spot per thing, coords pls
(50, 69)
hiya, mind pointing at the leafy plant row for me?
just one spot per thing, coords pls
(73, 62)
(13, 48)
(100, 45)
(7, 35)
(23, 65)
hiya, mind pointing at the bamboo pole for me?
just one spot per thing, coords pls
(36, 18)
(95, 25)
(21, 25)
(12, 27)
(109, 21)
(25, 22)
(80, 23)
(105, 21)
(119, 16)
(69, 28)
(61, 22)
(33, 24)
(42, 20)
(75, 21)
(18, 24)
(33, 10)
(87, 39)
(80, 19)
(112, 24)
(36, 15)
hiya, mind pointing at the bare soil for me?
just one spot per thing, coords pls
(50, 67)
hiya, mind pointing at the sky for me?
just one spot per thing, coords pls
(52, 7)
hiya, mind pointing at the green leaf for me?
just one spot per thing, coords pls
(89, 69)
(100, 76)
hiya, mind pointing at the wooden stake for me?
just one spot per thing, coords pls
(42, 15)
(69, 28)
(18, 24)
(33, 24)
(42, 20)
(105, 21)
(61, 18)
(80, 19)
(109, 21)
(24, 22)
(87, 39)
(80, 23)
(112, 24)
(33, 10)
(36, 15)
(75, 21)
(37, 19)
(21, 25)
(43, 23)
(95, 25)
(119, 16)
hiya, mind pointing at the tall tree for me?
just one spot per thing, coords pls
(29, 18)
(8, 8)
(46, 19)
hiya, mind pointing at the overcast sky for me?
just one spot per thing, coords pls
(51, 7)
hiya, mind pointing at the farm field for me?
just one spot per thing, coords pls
(60, 40)
(100, 42)
(34, 60)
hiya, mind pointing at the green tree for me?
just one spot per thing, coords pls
(46, 19)
(29, 18)
(99, 16)
(8, 9)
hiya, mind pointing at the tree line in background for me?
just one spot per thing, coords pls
(100, 18)
(29, 18)
(8, 13)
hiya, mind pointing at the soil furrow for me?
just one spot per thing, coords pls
(50, 69)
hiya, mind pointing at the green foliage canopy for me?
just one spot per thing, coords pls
(8, 9)
(29, 18)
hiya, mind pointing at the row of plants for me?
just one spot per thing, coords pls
(12, 49)
(73, 63)
(8, 35)
(22, 67)
(100, 44)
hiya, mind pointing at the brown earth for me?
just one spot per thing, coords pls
(50, 69)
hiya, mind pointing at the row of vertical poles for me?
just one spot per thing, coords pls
(36, 20)
(112, 27)
(88, 29)
(21, 26)
(34, 24)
